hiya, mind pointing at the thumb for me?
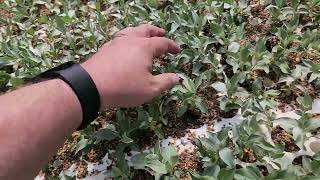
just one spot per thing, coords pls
(166, 81)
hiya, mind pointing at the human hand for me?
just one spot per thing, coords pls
(122, 68)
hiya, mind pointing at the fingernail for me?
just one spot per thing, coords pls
(180, 47)
(177, 79)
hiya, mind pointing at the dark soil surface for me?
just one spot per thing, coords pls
(249, 156)
(298, 160)
(257, 30)
(280, 136)
(66, 155)
(189, 162)
(177, 125)
(263, 170)
(142, 175)
(313, 56)
(4, 14)
(193, 119)
(146, 138)
(82, 169)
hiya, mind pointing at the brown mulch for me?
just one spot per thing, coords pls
(66, 155)
(298, 160)
(263, 170)
(44, 10)
(294, 57)
(313, 56)
(177, 126)
(209, 97)
(82, 169)
(106, 117)
(146, 138)
(189, 162)
(280, 136)
(257, 30)
(249, 156)
(5, 13)
(142, 175)
(186, 68)
(193, 119)
(98, 152)
(230, 144)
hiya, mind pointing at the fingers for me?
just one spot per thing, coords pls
(144, 30)
(165, 82)
(160, 46)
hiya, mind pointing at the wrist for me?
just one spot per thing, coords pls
(70, 98)
(82, 85)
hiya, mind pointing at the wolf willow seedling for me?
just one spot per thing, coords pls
(255, 58)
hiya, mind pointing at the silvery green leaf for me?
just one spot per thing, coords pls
(157, 166)
(201, 106)
(300, 72)
(316, 106)
(82, 144)
(153, 3)
(105, 134)
(286, 123)
(188, 83)
(139, 161)
(220, 87)
(313, 77)
(227, 157)
(288, 80)
(183, 109)
(158, 131)
(212, 171)
(199, 177)
(315, 146)
(170, 155)
(298, 136)
(226, 174)
(234, 47)
(125, 139)
(217, 29)
(249, 172)
(112, 1)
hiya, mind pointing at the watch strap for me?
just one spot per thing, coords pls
(83, 86)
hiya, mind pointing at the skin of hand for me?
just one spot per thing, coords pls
(35, 120)
(122, 68)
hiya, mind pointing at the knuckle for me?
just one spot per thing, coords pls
(146, 28)
(153, 87)
(151, 82)
(147, 43)
(129, 29)
(124, 32)
(171, 80)
(149, 66)
(155, 90)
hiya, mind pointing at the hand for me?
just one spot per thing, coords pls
(122, 68)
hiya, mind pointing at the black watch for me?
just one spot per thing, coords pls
(82, 85)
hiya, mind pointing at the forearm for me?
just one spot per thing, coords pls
(36, 120)
(34, 123)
